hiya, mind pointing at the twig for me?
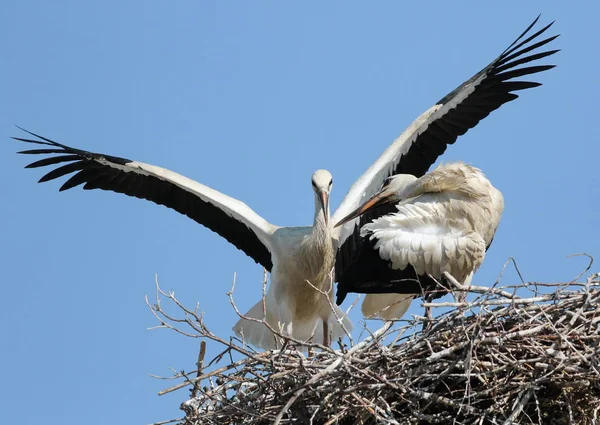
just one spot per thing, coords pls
(499, 359)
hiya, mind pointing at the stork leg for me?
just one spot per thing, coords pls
(428, 313)
(326, 338)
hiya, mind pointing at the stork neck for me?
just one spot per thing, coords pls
(316, 255)
(320, 224)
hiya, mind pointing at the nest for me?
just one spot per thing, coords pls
(523, 354)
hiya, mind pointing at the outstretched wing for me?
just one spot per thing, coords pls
(429, 135)
(227, 216)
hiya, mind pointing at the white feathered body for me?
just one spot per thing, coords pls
(300, 297)
(444, 223)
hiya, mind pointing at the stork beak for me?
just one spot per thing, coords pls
(324, 196)
(376, 200)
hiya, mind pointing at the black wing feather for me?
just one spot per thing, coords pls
(38, 151)
(53, 160)
(61, 171)
(77, 179)
(97, 171)
(370, 274)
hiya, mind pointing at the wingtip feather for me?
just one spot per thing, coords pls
(48, 141)
(37, 142)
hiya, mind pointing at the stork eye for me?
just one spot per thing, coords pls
(330, 183)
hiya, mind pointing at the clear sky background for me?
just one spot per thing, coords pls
(249, 98)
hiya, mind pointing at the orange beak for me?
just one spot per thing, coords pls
(325, 205)
(375, 201)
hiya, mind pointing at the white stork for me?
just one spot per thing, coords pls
(298, 255)
(444, 222)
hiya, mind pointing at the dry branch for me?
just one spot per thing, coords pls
(524, 354)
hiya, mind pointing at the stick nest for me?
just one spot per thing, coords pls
(515, 354)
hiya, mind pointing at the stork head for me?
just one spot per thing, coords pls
(322, 182)
(392, 191)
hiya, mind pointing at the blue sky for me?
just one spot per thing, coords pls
(249, 99)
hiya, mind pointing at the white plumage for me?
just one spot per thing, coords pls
(444, 222)
(303, 262)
